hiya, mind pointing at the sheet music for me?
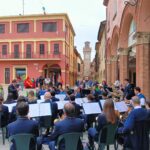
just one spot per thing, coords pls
(102, 103)
(91, 108)
(40, 101)
(42, 97)
(39, 110)
(121, 106)
(79, 101)
(45, 109)
(85, 100)
(10, 106)
(61, 97)
(34, 110)
(61, 104)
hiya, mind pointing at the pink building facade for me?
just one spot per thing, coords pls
(128, 42)
(36, 45)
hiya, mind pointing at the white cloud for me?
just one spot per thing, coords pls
(85, 15)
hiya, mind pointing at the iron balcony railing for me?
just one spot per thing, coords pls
(32, 55)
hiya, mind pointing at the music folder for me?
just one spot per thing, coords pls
(91, 108)
(39, 110)
(121, 106)
(79, 101)
(61, 104)
(102, 101)
(61, 97)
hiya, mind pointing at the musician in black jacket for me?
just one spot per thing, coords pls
(12, 88)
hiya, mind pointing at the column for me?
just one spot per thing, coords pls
(114, 68)
(108, 73)
(143, 62)
(124, 64)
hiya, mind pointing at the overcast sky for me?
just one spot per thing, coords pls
(85, 15)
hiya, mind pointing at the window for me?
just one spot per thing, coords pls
(28, 51)
(7, 75)
(16, 51)
(56, 48)
(4, 49)
(42, 49)
(23, 27)
(2, 28)
(49, 26)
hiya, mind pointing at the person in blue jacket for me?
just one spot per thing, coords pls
(136, 115)
(68, 125)
(23, 125)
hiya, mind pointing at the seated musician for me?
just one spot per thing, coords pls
(31, 97)
(148, 107)
(67, 98)
(54, 105)
(137, 114)
(77, 92)
(107, 117)
(10, 99)
(91, 118)
(77, 106)
(68, 125)
(23, 124)
(4, 113)
(13, 114)
(53, 98)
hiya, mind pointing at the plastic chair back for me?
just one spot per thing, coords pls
(22, 141)
(110, 131)
(71, 140)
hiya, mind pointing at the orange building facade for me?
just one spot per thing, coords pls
(128, 42)
(36, 45)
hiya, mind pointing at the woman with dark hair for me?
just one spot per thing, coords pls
(9, 99)
(4, 113)
(108, 116)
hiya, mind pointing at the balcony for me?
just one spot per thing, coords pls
(30, 56)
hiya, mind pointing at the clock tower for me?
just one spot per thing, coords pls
(87, 59)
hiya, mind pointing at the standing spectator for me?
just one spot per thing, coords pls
(13, 89)
(137, 91)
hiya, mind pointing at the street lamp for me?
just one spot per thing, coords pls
(131, 2)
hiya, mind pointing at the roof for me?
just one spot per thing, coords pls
(101, 30)
(40, 16)
(105, 2)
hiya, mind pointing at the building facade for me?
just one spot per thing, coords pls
(79, 66)
(87, 59)
(100, 57)
(36, 45)
(128, 42)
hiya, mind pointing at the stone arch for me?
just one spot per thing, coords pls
(115, 40)
(127, 17)
(143, 16)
